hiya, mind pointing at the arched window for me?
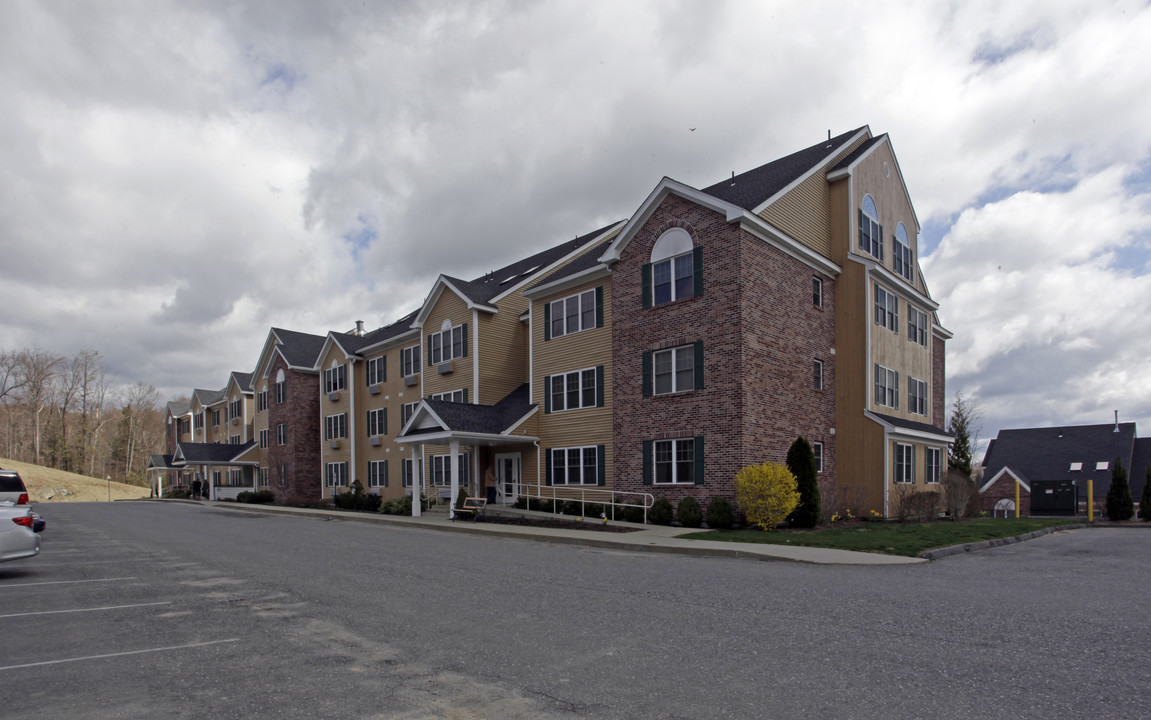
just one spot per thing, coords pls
(675, 271)
(902, 253)
(335, 377)
(279, 391)
(870, 231)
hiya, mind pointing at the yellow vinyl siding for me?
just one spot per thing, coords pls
(343, 404)
(393, 394)
(804, 211)
(503, 350)
(577, 351)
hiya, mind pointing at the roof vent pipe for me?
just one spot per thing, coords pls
(1116, 421)
(360, 328)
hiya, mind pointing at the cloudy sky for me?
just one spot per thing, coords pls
(177, 177)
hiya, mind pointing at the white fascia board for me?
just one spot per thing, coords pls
(434, 296)
(899, 433)
(774, 236)
(666, 187)
(894, 283)
(883, 140)
(593, 273)
(1008, 471)
(266, 352)
(472, 305)
(521, 421)
(418, 414)
(586, 247)
(865, 132)
(937, 329)
(328, 343)
(464, 437)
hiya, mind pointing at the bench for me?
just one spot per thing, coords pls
(473, 506)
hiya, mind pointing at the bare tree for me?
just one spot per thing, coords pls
(142, 426)
(11, 377)
(89, 373)
(37, 369)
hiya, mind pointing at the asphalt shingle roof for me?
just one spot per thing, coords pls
(176, 408)
(748, 190)
(244, 380)
(208, 397)
(584, 262)
(1043, 454)
(300, 349)
(487, 419)
(198, 453)
(912, 425)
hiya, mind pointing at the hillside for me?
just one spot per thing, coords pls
(48, 485)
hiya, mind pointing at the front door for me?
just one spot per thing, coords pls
(508, 475)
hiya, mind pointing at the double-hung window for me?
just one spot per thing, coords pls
(376, 370)
(916, 396)
(280, 391)
(410, 360)
(870, 231)
(574, 390)
(235, 409)
(575, 465)
(264, 438)
(817, 450)
(335, 378)
(817, 374)
(901, 254)
(674, 461)
(673, 370)
(886, 309)
(378, 422)
(933, 465)
(672, 279)
(904, 463)
(337, 474)
(440, 465)
(215, 419)
(377, 473)
(406, 472)
(265, 480)
(233, 439)
(675, 271)
(817, 291)
(573, 314)
(282, 433)
(886, 387)
(447, 344)
(336, 426)
(916, 326)
(262, 400)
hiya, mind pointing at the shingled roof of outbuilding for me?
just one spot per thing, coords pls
(1043, 454)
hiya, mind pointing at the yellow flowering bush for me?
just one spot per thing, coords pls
(767, 494)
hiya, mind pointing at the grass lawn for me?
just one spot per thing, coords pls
(47, 484)
(909, 539)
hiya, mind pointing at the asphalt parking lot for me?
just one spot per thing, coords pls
(168, 610)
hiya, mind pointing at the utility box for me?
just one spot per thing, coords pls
(1054, 497)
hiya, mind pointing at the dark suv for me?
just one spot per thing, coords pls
(12, 488)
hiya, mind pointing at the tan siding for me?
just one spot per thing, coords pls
(588, 348)
(449, 306)
(804, 211)
(868, 178)
(503, 350)
(393, 394)
(328, 407)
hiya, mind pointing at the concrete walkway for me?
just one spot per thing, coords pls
(647, 538)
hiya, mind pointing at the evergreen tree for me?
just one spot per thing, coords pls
(1145, 498)
(1120, 506)
(801, 463)
(965, 415)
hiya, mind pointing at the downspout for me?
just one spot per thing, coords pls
(475, 359)
(352, 420)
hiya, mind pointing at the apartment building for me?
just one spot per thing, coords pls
(657, 355)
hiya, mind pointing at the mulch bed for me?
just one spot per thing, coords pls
(557, 524)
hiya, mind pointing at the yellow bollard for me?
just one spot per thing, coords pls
(1016, 499)
(1090, 501)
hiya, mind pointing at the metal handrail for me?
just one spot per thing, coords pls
(644, 500)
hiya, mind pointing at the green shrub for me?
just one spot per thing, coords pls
(245, 496)
(541, 505)
(766, 493)
(719, 514)
(660, 513)
(521, 503)
(593, 510)
(264, 496)
(801, 463)
(572, 507)
(688, 513)
(184, 494)
(629, 513)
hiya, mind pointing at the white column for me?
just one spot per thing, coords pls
(453, 473)
(415, 482)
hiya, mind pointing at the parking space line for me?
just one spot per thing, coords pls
(120, 654)
(111, 607)
(66, 582)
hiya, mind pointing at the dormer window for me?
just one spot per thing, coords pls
(1102, 465)
(1075, 466)
(870, 231)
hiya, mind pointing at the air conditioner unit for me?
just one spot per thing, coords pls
(235, 421)
(333, 396)
(334, 444)
(374, 441)
(409, 380)
(374, 389)
(444, 368)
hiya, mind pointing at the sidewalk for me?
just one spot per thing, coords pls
(649, 538)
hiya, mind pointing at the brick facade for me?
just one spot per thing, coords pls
(760, 335)
(301, 455)
(1004, 489)
(938, 382)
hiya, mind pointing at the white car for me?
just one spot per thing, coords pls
(12, 487)
(17, 541)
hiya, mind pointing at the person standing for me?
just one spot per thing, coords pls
(490, 483)
(196, 486)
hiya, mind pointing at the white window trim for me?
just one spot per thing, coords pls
(379, 418)
(932, 471)
(442, 344)
(886, 309)
(915, 401)
(439, 468)
(558, 311)
(456, 396)
(905, 459)
(817, 450)
(379, 477)
(562, 379)
(376, 370)
(410, 360)
(817, 374)
(556, 453)
(889, 389)
(674, 370)
(336, 474)
(675, 479)
(336, 426)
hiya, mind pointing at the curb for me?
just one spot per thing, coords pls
(970, 547)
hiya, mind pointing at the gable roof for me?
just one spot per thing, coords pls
(208, 453)
(299, 349)
(444, 418)
(243, 380)
(1042, 454)
(207, 397)
(176, 408)
(750, 190)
